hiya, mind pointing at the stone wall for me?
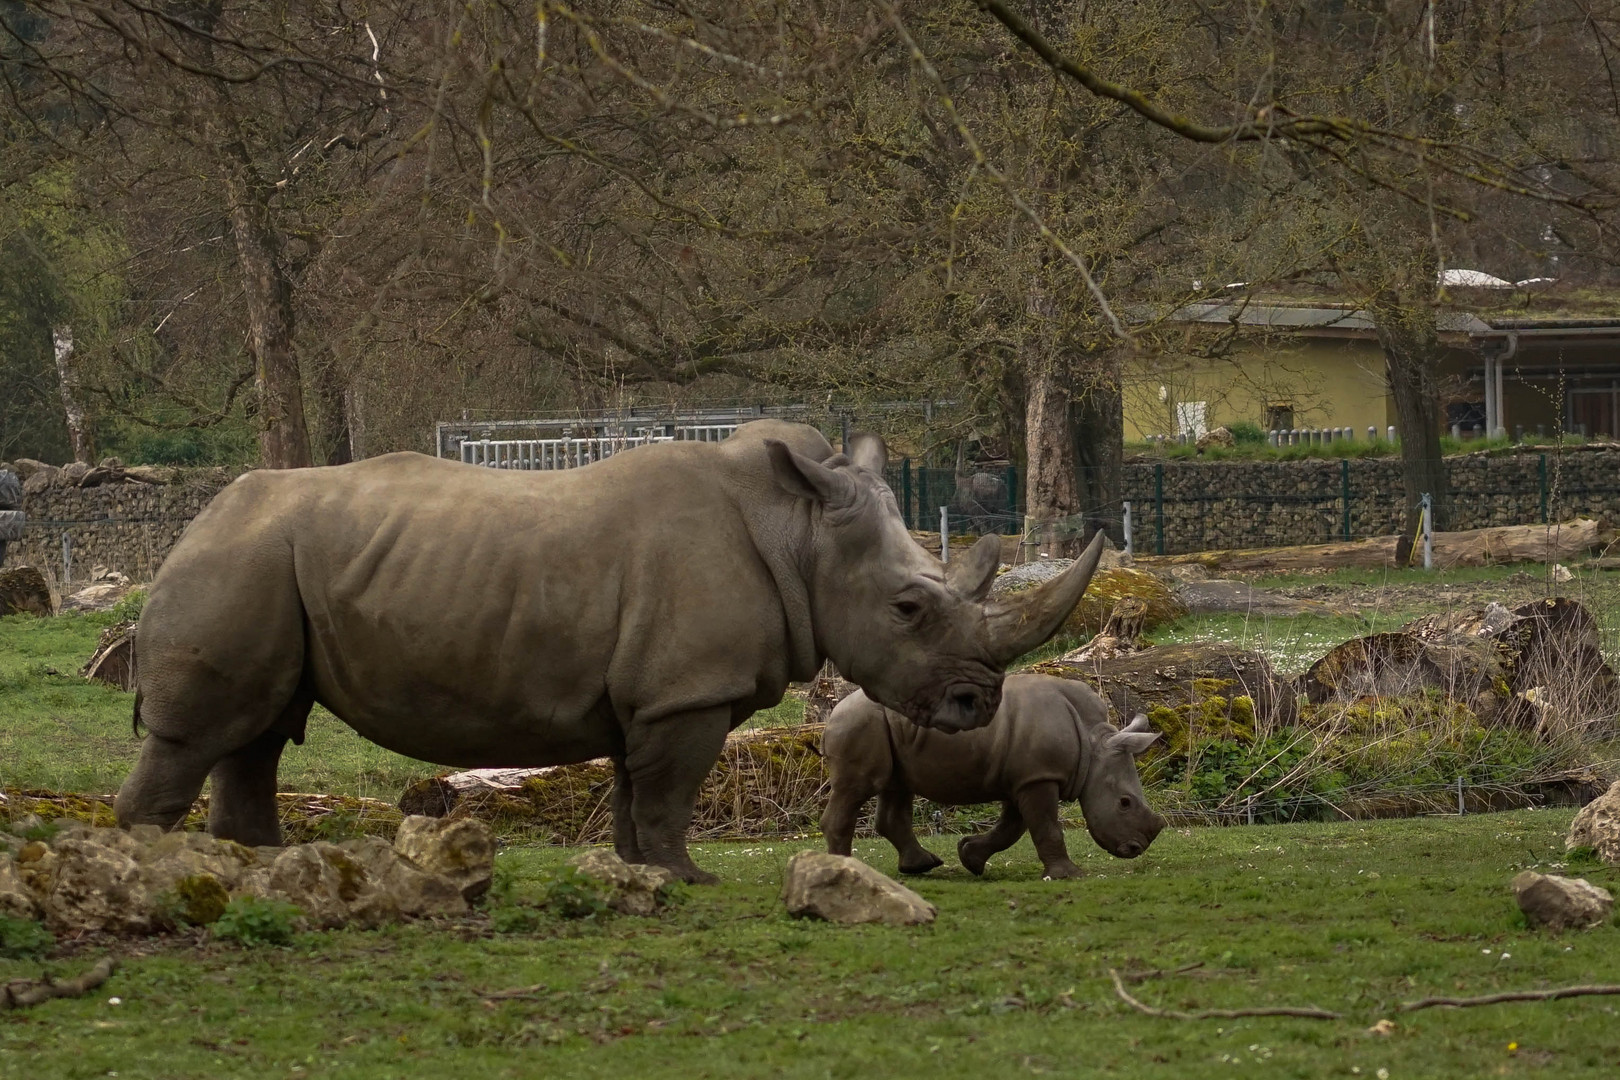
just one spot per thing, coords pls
(128, 527)
(1233, 504)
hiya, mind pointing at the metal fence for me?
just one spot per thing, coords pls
(572, 453)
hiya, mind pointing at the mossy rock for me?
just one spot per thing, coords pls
(1107, 588)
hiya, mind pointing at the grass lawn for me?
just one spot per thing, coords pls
(1012, 979)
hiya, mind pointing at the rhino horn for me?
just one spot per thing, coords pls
(971, 575)
(869, 452)
(1024, 621)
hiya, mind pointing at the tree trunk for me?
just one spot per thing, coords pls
(1410, 341)
(1098, 419)
(67, 376)
(1051, 498)
(283, 435)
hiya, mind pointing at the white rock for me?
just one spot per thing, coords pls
(843, 889)
(1597, 826)
(628, 888)
(1559, 902)
(462, 849)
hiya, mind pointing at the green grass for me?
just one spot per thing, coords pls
(1011, 980)
(64, 733)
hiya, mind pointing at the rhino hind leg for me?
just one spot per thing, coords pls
(165, 782)
(1039, 805)
(667, 759)
(976, 851)
(894, 822)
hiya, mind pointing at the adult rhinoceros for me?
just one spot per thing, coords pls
(638, 608)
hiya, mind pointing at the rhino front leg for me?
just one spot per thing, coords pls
(975, 851)
(1039, 805)
(894, 822)
(667, 760)
(625, 844)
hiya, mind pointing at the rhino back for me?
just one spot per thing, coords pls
(1032, 739)
(478, 616)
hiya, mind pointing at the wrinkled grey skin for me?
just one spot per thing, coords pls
(1050, 741)
(637, 608)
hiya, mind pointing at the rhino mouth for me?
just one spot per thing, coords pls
(961, 706)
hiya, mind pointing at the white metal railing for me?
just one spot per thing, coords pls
(546, 454)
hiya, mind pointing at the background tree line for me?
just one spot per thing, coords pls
(300, 233)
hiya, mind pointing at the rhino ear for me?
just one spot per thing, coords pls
(971, 575)
(1134, 743)
(869, 452)
(806, 479)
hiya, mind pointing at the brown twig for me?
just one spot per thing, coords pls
(1304, 1012)
(1159, 973)
(1512, 995)
(520, 993)
(21, 995)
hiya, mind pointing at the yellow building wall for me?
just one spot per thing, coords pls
(1329, 382)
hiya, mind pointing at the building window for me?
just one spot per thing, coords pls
(1280, 417)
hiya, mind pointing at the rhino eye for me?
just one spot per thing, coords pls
(907, 609)
(1125, 802)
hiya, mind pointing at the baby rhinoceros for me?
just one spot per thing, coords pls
(1049, 741)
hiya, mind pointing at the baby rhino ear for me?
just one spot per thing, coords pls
(1136, 738)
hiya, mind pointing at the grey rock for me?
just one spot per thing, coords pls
(16, 900)
(96, 887)
(1559, 902)
(416, 893)
(1220, 597)
(462, 849)
(1597, 826)
(842, 889)
(628, 888)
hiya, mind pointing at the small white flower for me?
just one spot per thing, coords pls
(1487, 952)
(1505, 956)
(115, 1001)
(1383, 1074)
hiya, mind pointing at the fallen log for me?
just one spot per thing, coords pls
(22, 993)
(26, 591)
(1536, 667)
(1472, 547)
(1188, 691)
(113, 662)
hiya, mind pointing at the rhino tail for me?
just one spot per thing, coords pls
(136, 723)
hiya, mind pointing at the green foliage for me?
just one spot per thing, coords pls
(258, 920)
(129, 608)
(1247, 433)
(573, 895)
(24, 938)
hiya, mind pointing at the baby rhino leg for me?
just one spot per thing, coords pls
(894, 822)
(1039, 805)
(975, 851)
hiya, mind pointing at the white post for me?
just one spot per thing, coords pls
(67, 558)
(1428, 532)
(1392, 434)
(1460, 808)
(944, 534)
(1129, 551)
(1492, 407)
(1501, 416)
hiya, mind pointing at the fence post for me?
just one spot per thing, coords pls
(1428, 532)
(1461, 810)
(1012, 496)
(922, 494)
(944, 534)
(1158, 500)
(1543, 472)
(67, 558)
(1344, 492)
(906, 511)
(1127, 527)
